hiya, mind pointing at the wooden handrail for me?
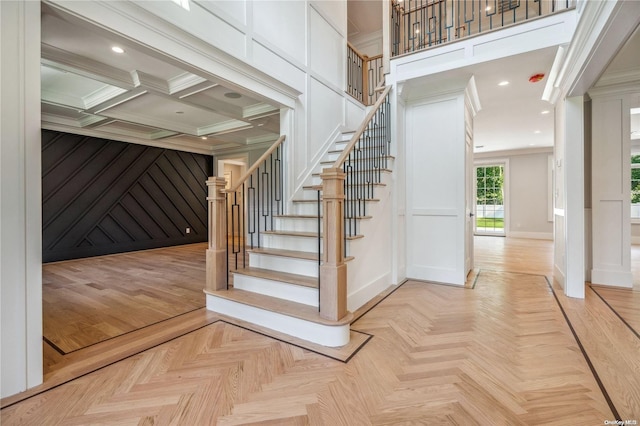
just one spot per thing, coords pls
(257, 164)
(360, 55)
(361, 129)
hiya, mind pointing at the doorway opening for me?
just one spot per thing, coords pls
(490, 200)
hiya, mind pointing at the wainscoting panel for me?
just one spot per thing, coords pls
(103, 197)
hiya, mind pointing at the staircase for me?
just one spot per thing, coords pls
(277, 287)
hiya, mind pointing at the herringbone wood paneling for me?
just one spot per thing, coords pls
(102, 197)
(501, 354)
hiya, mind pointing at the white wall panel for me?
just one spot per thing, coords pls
(199, 22)
(325, 116)
(282, 23)
(326, 50)
(277, 67)
(607, 151)
(335, 13)
(610, 236)
(435, 190)
(20, 198)
(235, 9)
(610, 189)
(431, 242)
(354, 113)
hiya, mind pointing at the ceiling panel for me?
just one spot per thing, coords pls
(139, 96)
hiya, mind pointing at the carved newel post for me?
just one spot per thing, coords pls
(217, 250)
(333, 271)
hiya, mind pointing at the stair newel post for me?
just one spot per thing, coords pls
(333, 271)
(217, 250)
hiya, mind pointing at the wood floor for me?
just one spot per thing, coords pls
(499, 354)
(86, 301)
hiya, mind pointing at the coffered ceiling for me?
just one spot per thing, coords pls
(137, 96)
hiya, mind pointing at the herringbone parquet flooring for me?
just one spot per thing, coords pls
(501, 354)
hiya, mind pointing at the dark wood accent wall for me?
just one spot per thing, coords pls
(103, 197)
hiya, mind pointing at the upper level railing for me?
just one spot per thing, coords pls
(419, 24)
(364, 74)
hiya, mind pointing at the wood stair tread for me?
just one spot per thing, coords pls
(305, 234)
(319, 187)
(361, 171)
(286, 277)
(306, 255)
(375, 200)
(281, 306)
(388, 157)
(298, 216)
(310, 216)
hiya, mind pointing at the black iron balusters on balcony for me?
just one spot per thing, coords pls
(364, 74)
(418, 24)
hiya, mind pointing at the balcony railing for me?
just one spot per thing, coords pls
(364, 74)
(419, 24)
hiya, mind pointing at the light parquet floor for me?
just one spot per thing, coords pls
(501, 354)
(86, 301)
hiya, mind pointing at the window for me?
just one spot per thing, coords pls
(490, 199)
(635, 187)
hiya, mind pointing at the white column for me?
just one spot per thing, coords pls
(574, 197)
(20, 197)
(611, 188)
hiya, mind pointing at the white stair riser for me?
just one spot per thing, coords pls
(291, 265)
(309, 194)
(305, 208)
(291, 292)
(332, 336)
(297, 224)
(290, 242)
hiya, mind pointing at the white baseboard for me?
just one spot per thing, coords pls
(321, 334)
(436, 275)
(532, 235)
(368, 292)
(612, 278)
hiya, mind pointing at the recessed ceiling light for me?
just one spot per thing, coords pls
(117, 49)
(203, 138)
(179, 112)
(546, 111)
(503, 83)
(232, 95)
(532, 144)
(537, 132)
